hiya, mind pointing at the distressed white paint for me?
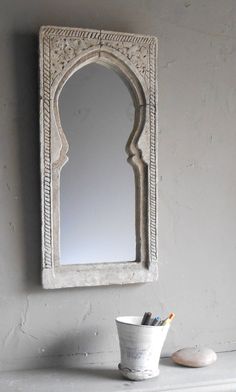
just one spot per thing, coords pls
(63, 51)
(140, 347)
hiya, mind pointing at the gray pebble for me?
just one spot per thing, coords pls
(194, 356)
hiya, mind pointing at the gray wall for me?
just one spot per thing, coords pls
(197, 242)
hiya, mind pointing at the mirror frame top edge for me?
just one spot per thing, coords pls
(120, 48)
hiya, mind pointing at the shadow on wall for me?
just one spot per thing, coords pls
(75, 349)
(25, 47)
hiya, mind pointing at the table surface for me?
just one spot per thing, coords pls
(221, 376)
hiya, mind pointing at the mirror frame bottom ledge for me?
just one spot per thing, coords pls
(219, 377)
(72, 276)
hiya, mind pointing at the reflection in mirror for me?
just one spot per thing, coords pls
(97, 189)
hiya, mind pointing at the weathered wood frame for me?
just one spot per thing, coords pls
(63, 51)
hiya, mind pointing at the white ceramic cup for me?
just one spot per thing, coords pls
(140, 347)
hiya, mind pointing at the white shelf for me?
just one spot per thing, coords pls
(218, 377)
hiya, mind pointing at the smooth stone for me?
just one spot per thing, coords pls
(194, 356)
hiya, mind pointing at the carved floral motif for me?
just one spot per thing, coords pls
(63, 50)
(136, 53)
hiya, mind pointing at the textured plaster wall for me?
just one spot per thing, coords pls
(197, 189)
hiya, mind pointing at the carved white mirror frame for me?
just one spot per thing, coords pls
(63, 51)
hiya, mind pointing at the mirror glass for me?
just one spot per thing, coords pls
(97, 187)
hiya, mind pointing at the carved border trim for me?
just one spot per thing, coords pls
(70, 32)
(153, 158)
(46, 184)
(75, 32)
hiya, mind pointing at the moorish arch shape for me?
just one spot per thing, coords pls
(63, 51)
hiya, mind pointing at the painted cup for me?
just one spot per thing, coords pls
(140, 347)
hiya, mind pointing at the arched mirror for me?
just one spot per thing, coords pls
(98, 157)
(97, 188)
